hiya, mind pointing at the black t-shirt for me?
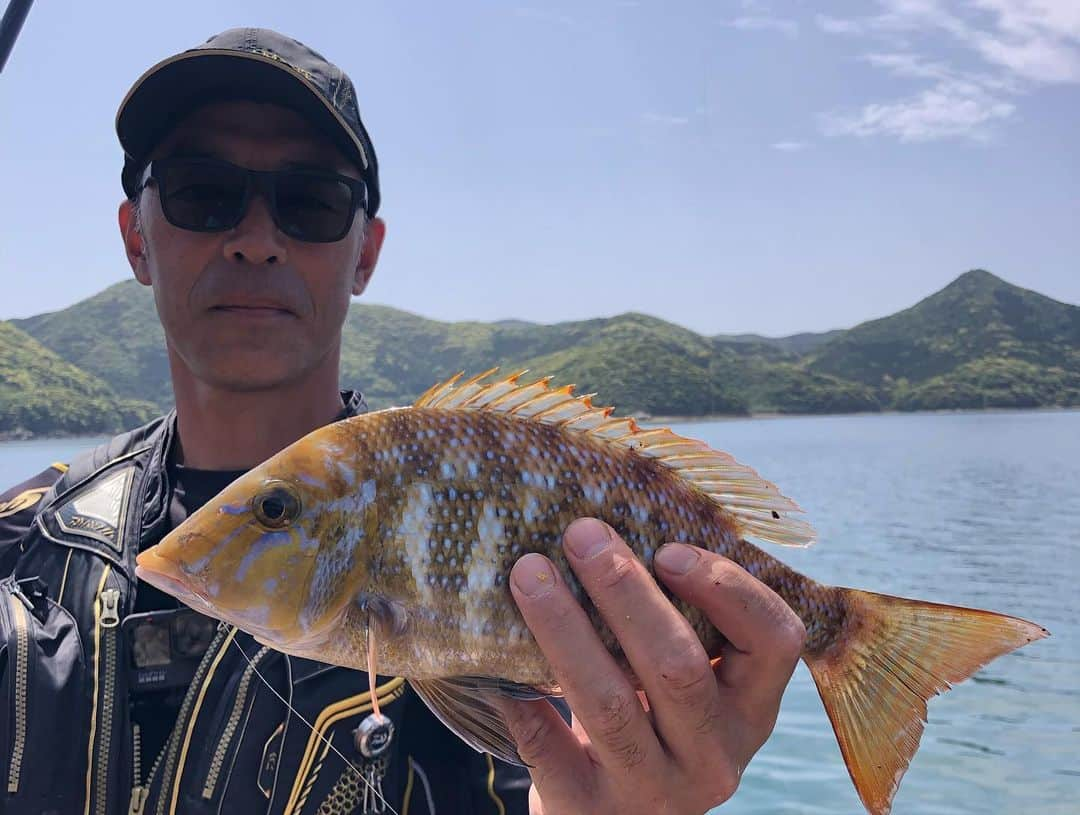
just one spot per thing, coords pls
(155, 711)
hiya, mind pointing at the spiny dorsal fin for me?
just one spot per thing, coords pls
(756, 503)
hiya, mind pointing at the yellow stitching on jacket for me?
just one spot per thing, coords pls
(491, 785)
(109, 599)
(231, 724)
(179, 772)
(63, 580)
(362, 701)
(93, 711)
(313, 777)
(408, 790)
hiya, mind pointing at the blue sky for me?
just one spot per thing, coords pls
(772, 167)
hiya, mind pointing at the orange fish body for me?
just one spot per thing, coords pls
(391, 536)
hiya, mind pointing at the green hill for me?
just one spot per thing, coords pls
(114, 335)
(42, 393)
(979, 342)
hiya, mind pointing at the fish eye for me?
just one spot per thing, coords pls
(277, 505)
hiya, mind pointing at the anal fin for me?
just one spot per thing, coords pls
(465, 705)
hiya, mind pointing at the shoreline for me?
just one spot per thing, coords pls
(24, 436)
(768, 415)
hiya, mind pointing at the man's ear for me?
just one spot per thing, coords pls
(375, 233)
(134, 245)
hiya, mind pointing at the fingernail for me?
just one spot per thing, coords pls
(677, 558)
(587, 537)
(533, 576)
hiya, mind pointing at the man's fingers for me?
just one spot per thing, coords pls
(766, 637)
(561, 770)
(596, 688)
(662, 648)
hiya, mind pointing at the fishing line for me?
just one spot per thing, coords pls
(318, 735)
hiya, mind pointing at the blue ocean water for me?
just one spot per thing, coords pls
(977, 509)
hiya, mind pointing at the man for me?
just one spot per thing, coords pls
(252, 191)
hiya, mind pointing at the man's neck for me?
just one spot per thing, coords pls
(235, 430)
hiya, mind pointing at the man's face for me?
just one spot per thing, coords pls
(249, 308)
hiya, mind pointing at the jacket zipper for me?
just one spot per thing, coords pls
(171, 752)
(140, 792)
(230, 726)
(109, 622)
(22, 671)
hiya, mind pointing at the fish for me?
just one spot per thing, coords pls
(387, 539)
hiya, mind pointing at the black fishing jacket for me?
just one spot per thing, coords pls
(68, 746)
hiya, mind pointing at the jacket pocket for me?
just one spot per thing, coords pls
(41, 666)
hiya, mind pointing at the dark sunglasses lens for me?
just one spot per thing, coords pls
(313, 207)
(202, 196)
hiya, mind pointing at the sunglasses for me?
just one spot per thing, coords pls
(209, 195)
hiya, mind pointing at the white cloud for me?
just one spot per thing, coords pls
(939, 112)
(1017, 45)
(789, 146)
(834, 25)
(781, 25)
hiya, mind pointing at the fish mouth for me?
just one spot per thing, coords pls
(168, 576)
(164, 574)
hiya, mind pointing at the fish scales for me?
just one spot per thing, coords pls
(398, 530)
(462, 495)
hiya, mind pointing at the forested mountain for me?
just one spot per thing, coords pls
(979, 342)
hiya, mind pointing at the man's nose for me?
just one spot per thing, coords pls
(256, 239)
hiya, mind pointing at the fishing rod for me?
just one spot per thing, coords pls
(11, 25)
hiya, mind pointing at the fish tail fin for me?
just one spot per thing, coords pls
(891, 656)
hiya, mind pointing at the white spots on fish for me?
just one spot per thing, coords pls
(639, 513)
(482, 574)
(345, 472)
(472, 468)
(489, 527)
(414, 531)
(368, 493)
(531, 510)
(446, 469)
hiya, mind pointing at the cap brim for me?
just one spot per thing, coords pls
(175, 87)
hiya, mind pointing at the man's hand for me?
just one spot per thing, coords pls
(688, 751)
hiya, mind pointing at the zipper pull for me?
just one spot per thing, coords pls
(138, 800)
(110, 608)
(17, 593)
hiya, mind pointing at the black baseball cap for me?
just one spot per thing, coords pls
(245, 63)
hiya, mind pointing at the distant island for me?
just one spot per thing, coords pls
(100, 365)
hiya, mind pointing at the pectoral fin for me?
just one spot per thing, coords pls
(465, 705)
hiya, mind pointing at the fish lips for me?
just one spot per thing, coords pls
(164, 574)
